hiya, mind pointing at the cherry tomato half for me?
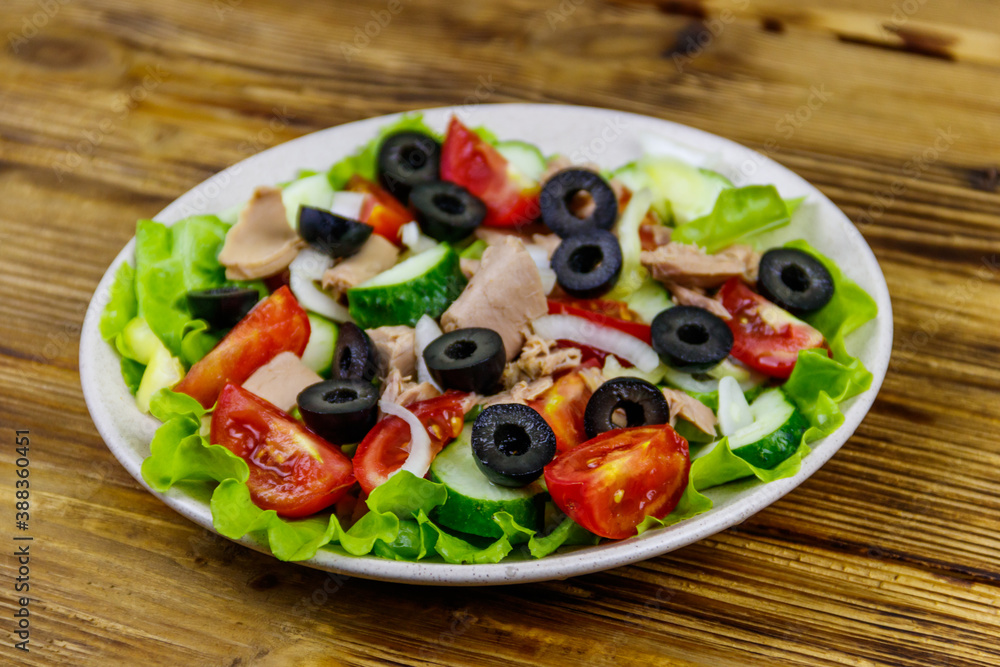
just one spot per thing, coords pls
(563, 404)
(611, 483)
(385, 448)
(765, 336)
(276, 324)
(475, 165)
(381, 210)
(292, 470)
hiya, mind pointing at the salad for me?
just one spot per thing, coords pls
(459, 348)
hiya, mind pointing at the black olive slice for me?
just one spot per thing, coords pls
(588, 265)
(333, 234)
(691, 339)
(222, 307)
(353, 355)
(446, 211)
(512, 443)
(639, 402)
(559, 194)
(467, 359)
(794, 280)
(340, 411)
(405, 159)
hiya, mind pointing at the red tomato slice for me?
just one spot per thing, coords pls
(385, 448)
(765, 336)
(562, 405)
(610, 484)
(475, 165)
(381, 210)
(605, 312)
(292, 470)
(276, 324)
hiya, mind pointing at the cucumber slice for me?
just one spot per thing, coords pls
(426, 283)
(680, 192)
(649, 300)
(309, 191)
(318, 354)
(138, 342)
(773, 436)
(163, 372)
(526, 159)
(473, 499)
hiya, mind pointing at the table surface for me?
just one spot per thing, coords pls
(890, 554)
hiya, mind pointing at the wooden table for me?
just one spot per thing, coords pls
(109, 109)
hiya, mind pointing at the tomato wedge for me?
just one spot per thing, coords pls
(385, 448)
(276, 324)
(765, 336)
(605, 312)
(381, 210)
(562, 405)
(610, 484)
(475, 165)
(292, 470)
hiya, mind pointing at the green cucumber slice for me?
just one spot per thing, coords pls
(318, 354)
(473, 499)
(774, 435)
(163, 372)
(681, 192)
(425, 283)
(525, 158)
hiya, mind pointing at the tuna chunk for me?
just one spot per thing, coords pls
(261, 243)
(691, 409)
(521, 392)
(399, 389)
(684, 296)
(395, 349)
(280, 380)
(376, 255)
(539, 358)
(505, 294)
(690, 266)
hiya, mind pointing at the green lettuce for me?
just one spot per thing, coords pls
(817, 385)
(397, 526)
(738, 214)
(363, 161)
(179, 452)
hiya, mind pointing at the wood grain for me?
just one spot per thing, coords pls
(888, 555)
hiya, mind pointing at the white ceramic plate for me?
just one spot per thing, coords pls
(610, 138)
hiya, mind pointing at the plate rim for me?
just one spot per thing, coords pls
(556, 566)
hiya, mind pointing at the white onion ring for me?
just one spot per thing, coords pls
(419, 459)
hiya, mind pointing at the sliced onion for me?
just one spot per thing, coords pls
(734, 411)
(585, 332)
(414, 239)
(540, 256)
(419, 459)
(305, 270)
(348, 204)
(426, 331)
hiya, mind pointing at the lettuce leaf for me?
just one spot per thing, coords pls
(178, 452)
(121, 306)
(739, 213)
(363, 161)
